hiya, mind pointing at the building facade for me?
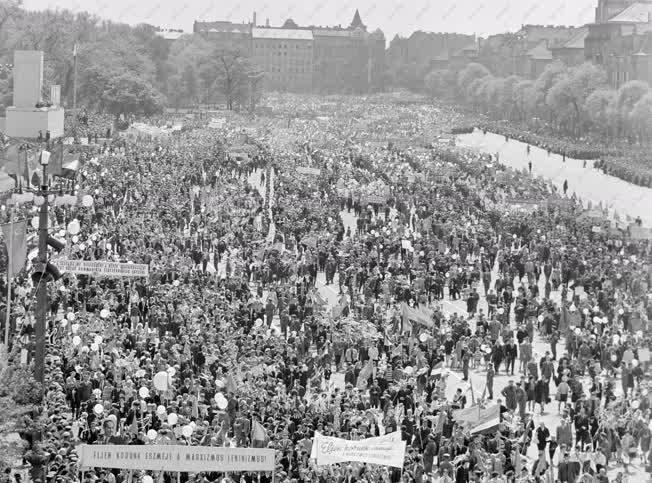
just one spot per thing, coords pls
(226, 35)
(286, 57)
(620, 43)
(307, 59)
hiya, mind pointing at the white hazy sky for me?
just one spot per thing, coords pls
(482, 17)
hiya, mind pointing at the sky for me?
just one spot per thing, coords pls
(480, 17)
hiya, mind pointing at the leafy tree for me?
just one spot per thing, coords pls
(468, 75)
(128, 94)
(641, 117)
(626, 97)
(438, 83)
(598, 108)
(523, 96)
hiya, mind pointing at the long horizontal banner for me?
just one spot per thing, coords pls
(192, 459)
(98, 267)
(388, 450)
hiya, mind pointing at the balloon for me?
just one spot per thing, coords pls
(73, 227)
(634, 362)
(99, 339)
(596, 309)
(597, 319)
(578, 331)
(74, 328)
(614, 358)
(160, 410)
(408, 370)
(540, 318)
(635, 404)
(172, 419)
(76, 340)
(258, 323)
(94, 347)
(572, 308)
(147, 478)
(219, 396)
(187, 431)
(152, 434)
(104, 313)
(161, 381)
(621, 311)
(171, 371)
(487, 350)
(70, 316)
(98, 409)
(219, 384)
(501, 311)
(87, 201)
(222, 403)
(175, 283)
(97, 392)
(423, 337)
(84, 349)
(143, 392)
(616, 339)
(585, 311)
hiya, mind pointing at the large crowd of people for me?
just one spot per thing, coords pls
(286, 300)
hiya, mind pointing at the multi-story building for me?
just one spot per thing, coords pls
(286, 57)
(619, 43)
(320, 59)
(348, 59)
(572, 53)
(226, 35)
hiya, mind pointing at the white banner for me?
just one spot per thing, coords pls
(306, 170)
(388, 450)
(192, 459)
(98, 267)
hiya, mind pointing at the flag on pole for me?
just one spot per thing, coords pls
(230, 384)
(16, 237)
(259, 437)
(56, 160)
(365, 374)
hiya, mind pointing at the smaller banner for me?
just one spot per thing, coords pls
(388, 450)
(98, 267)
(192, 459)
(306, 170)
(639, 232)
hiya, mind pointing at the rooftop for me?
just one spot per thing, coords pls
(540, 52)
(577, 41)
(635, 13)
(170, 34)
(221, 26)
(281, 34)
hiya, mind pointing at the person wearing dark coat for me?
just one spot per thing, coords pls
(509, 393)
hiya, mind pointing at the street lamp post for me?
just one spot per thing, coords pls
(41, 279)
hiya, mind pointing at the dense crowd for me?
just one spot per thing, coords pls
(284, 300)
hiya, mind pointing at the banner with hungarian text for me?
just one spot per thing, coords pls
(101, 268)
(387, 450)
(192, 459)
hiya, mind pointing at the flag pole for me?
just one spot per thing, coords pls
(9, 278)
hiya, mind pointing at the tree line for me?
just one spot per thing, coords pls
(122, 69)
(576, 102)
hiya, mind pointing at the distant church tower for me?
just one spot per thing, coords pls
(357, 22)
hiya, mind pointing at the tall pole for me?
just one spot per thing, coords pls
(41, 288)
(9, 280)
(74, 78)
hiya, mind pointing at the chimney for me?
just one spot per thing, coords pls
(267, 22)
(254, 19)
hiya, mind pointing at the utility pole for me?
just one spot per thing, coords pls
(41, 279)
